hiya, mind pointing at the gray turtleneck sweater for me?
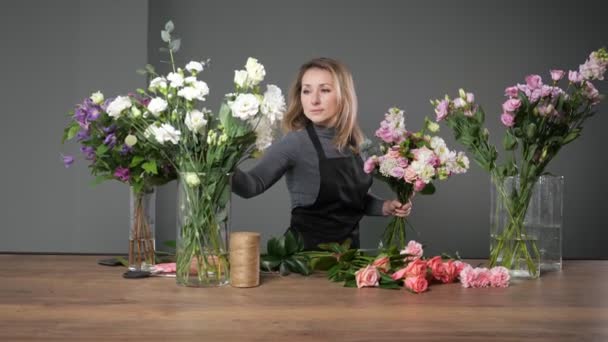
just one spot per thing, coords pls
(295, 157)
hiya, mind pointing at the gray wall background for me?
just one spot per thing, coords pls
(401, 54)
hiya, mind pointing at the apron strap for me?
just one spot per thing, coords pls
(315, 141)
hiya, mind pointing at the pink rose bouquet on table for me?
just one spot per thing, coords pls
(539, 120)
(409, 162)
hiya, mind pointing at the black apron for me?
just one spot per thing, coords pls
(335, 214)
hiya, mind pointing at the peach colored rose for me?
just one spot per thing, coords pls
(416, 284)
(394, 152)
(450, 272)
(410, 175)
(436, 266)
(499, 277)
(367, 277)
(383, 263)
(399, 274)
(416, 268)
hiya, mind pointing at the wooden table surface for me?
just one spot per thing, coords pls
(71, 298)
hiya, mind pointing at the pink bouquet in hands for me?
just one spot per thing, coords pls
(409, 163)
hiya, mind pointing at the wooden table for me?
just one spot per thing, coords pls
(71, 298)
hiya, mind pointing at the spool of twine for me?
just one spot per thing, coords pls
(244, 259)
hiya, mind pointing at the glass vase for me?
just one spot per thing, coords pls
(203, 218)
(142, 244)
(526, 225)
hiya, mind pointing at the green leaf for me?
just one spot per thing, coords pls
(165, 36)
(276, 247)
(350, 283)
(531, 131)
(101, 150)
(136, 161)
(175, 45)
(323, 263)
(509, 142)
(70, 132)
(346, 244)
(348, 255)
(571, 136)
(100, 179)
(291, 245)
(150, 167)
(429, 189)
(122, 260)
(269, 262)
(170, 243)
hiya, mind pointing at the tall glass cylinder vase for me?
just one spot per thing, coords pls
(525, 225)
(203, 218)
(142, 229)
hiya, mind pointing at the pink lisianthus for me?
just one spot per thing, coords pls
(511, 105)
(413, 250)
(499, 277)
(443, 109)
(370, 164)
(534, 81)
(511, 91)
(367, 277)
(417, 284)
(557, 75)
(383, 263)
(575, 77)
(507, 119)
(591, 93)
(419, 185)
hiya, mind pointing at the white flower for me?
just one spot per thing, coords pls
(164, 133)
(264, 134)
(437, 142)
(194, 67)
(425, 171)
(433, 126)
(192, 179)
(245, 106)
(135, 112)
(157, 83)
(176, 79)
(255, 71)
(119, 104)
(387, 165)
(195, 120)
(130, 140)
(190, 80)
(202, 88)
(240, 78)
(97, 98)
(273, 105)
(157, 106)
(189, 93)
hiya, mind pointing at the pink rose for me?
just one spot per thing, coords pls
(442, 109)
(507, 119)
(402, 162)
(419, 185)
(417, 284)
(416, 268)
(413, 250)
(382, 263)
(436, 266)
(450, 272)
(410, 175)
(370, 164)
(367, 277)
(557, 75)
(534, 81)
(511, 105)
(393, 152)
(499, 277)
(511, 91)
(399, 274)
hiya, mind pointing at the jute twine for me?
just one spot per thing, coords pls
(244, 259)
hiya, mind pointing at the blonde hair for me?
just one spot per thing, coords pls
(348, 132)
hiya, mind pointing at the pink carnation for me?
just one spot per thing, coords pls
(367, 277)
(467, 276)
(413, 250)
(499, 277)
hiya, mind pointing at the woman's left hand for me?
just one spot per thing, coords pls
(396, 208)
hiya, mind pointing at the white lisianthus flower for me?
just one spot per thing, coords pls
(192, 179)
(463, 162)
(176, 79)
(240, 78)
(195, 121)
(437, 142)
(433, 127)
(157, 106)
(190, 80)
(245, 106)
(167, 133)
(116, 107)
(202, 88)
(157, 83)
(194, 67)
(189, 93)
(97, 98)
(211, 137)
(273, 105)
(264, 134)
(255, 71)
(130, 140)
